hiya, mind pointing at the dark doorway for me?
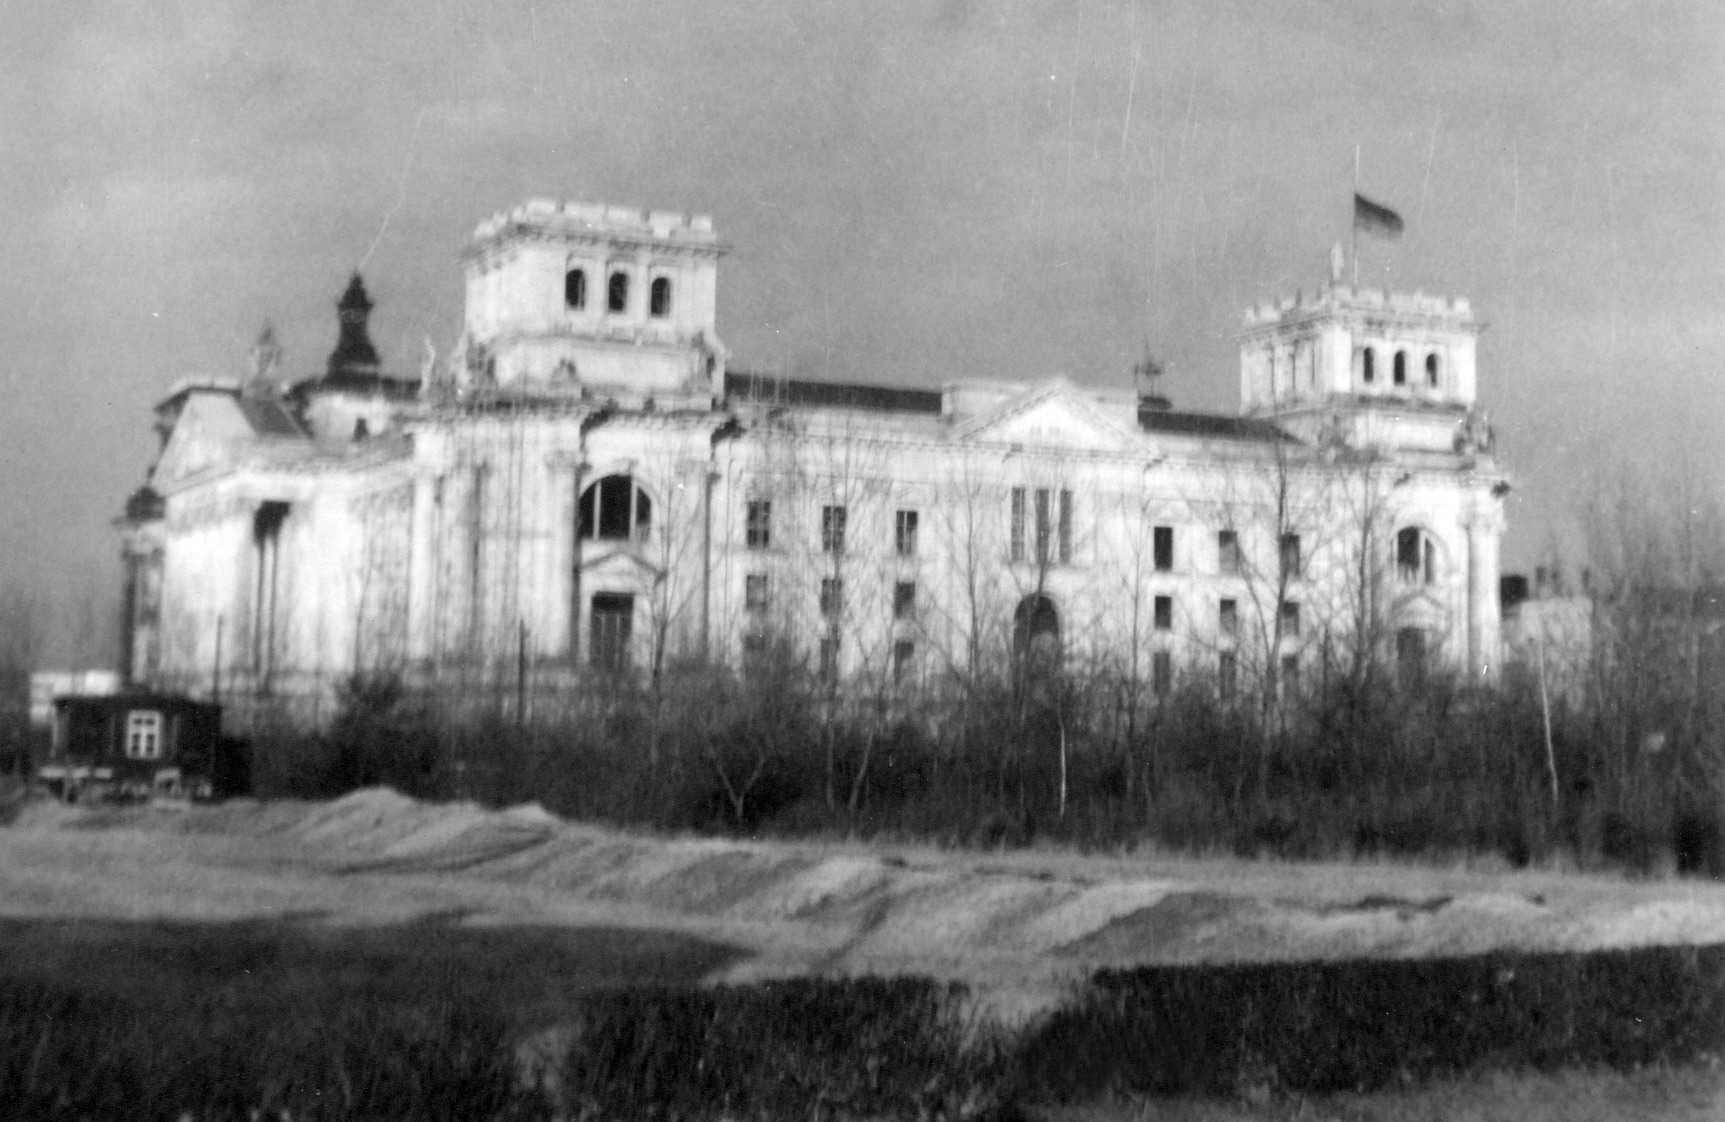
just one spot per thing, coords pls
(1036, 629)
(613, 617)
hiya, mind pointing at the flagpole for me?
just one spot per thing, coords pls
(1354, 222)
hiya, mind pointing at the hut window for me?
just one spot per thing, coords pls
(143, 734)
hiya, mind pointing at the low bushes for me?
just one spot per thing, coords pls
(830, 1048)
(1364, 1024)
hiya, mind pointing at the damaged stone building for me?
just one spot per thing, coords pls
(586, 487)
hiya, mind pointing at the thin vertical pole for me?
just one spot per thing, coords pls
(216, 676)
(521, 672)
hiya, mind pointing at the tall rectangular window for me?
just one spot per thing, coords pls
(758, 526)
(904, 600)
(143, 734)
(1411, 656)
(1226, 671)
(1164, 613)
(1228, 560)
(1162, 542)
(1044, 526)
(1018, 523)
(1293, 565)
(755, 592)
(1066, 527)
(833, 529)
(1290, 619)
(1161, 672)
(1228, 617)
(904, 533)
(903, 659)
(832, 596)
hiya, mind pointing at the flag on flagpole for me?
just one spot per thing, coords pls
(1375, 219)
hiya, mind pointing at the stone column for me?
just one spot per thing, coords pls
(1484, 625)
(421, 570)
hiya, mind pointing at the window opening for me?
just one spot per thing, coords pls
(1290, 675)
(1432, 371)
(1018, 523)
(617, 292)
(575, 288)
(615, 509)
(613, 617)
(1164, 613)
(1044, 526)
(143, 734)
(1226, 671)
(1292, 562)
(1228, 617)
(755, 592)
(832, 596)
(1162, 546)
(758, 525)
(904, 600)
(1368, 366)
(1401, 375)
(1290, 619)
(1416, 556)
(1228, 553)
(1161, 672)
(829, 659)
(903, 659)
(659, 298)
(904, 533)
(1066, 527)
(833, 529)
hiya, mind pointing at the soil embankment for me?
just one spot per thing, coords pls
(1018, 927)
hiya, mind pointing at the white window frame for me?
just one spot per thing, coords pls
(144, 729)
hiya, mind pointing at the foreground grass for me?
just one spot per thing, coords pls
(426, 1021)
(1686, 1093)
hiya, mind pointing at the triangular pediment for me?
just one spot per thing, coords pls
(205, 436)
(1055, 416)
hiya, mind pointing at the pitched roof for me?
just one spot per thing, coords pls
(268, 417)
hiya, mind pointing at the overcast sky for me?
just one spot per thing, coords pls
(914, 191)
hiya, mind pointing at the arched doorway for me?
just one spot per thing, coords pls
(1036, 629)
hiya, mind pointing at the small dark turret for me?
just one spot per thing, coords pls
(354, 357)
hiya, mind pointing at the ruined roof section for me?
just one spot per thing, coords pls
(767, 390)
(268, 417)
(599, 222)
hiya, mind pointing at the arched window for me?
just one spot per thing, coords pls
(575, 288)
(617, 293)
(1036, 628)
(1368, 366)
(659, 301)
(615, 509)
(1432, 371)
(1416, 556)
(1401, 368)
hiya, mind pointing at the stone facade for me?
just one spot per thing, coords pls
(584, 486)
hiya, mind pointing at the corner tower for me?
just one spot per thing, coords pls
(585, 300)
(1363, 367)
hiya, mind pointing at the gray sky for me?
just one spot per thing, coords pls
(914, 192)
